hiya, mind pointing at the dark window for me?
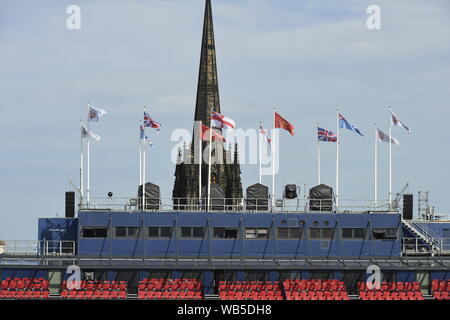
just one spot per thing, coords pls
(353, 233)
(321, 233)
(153, 232)
(385, 233)
(127, 232)
(225, 233)
(289, 233)
(192, 232)
(166, 232)
(94, 232)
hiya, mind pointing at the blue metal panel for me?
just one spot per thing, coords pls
(22, 273)
(58, 229)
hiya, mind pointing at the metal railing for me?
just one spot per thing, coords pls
(416, 246)
(235, 205)
(37, 247)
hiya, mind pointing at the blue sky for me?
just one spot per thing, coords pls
(306, 57)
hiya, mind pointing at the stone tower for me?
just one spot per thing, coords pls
(225, 173)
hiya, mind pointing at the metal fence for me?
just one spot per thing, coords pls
(416, 246)
(235, 205)
(38, 247)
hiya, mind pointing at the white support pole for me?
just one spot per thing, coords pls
(88, 184)
(273, 161)
(260, 152)
(140, 155)
(200, 162)
(376, 169)
(81, 165)
(318, 158)
(390, 161)
(209, 162)
(337, 159)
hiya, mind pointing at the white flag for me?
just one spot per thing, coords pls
(396, 122)
(95, 113)
(85, 133)
(385, 137)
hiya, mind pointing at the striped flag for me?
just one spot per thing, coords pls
(326, 135)
(220, 121)
(264, 133)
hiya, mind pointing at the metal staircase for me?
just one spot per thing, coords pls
(425, 234)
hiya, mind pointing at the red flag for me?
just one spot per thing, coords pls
(282, 123)
(215, 135)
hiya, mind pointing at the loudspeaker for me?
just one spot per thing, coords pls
(290, 191)
(70, 204)
(407, 206)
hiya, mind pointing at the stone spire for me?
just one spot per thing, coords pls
(208, 85)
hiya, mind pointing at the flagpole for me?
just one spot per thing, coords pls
(200, 162)
(337, 159)
(88, 184)
(143, 169)
(140, 158)
(81, 165)
(273, 161)
(260, 151)
(390, 162)
(376, 169)
(209, 164)
(318, 157)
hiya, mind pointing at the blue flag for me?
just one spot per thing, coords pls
(343, 124)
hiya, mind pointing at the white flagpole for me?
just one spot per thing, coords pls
(318, 157)
(81, 165)
(200, 162)
(140, 157)
(209, 164)
(260, 151)
(273, 161)
(88, 185)
(390, 161)
(143, 169)
(337, 160)
(376, 168)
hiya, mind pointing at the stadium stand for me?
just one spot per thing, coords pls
(24, 288)
(441, 289)
(250, 290)
(315, 289)
(170, 289)
(90, 289)
(391, 291)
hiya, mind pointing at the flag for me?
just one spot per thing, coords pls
(215, 136)
(85, 133)
(326, 135)
(150, 123)
(345, 124)
(220, 121)
(144, 136)
(282, 123)
(264, 133)
(94, 114)
(385, 137)
(396, 122)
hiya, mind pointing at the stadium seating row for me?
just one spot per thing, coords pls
(315, 289)
(252, 290)
(170, 289)
(94, 290)
(391, 286)
(24, 283)
(441, 289)
(91, 285)
(391, 291)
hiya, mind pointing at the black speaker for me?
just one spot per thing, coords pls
(70, 204)
(407, 206)
(290, 191)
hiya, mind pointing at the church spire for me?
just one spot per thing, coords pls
(208, 86)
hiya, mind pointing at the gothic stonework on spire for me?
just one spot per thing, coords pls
(208, 84)
(226, 174)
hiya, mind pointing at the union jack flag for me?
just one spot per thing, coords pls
(264, 133)
(326, 135)
(150, 123)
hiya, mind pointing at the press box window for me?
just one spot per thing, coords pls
(159, 232)
(225, 233)
(320, 233)
(289, 233)
(92, 232)
(256, 233)
(127, 232)
(192, 232)
(385, 234)
(353, 233)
